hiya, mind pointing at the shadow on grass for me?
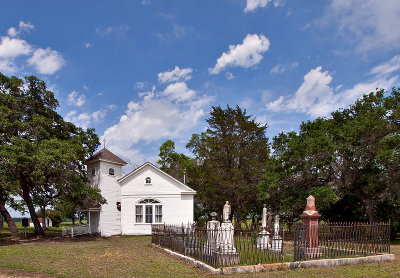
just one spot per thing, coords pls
(7, 239)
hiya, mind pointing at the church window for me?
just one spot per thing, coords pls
(139, 214)
(148, 180)
(158, 214)
(111, 171)
(149, 214)
(93, 172)
(152, 210)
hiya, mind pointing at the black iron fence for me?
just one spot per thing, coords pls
(336, 240)
(222, 246)
(226, 246)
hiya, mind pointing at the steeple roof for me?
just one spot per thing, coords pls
(105, 155)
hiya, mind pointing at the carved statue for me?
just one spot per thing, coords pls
(276, 225)
(226, 212)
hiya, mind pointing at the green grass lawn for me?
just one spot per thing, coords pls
(134, 256)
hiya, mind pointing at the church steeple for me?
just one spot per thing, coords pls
(107, 156)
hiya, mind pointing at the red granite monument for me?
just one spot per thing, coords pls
(310, 226)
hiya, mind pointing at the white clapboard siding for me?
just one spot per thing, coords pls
(175, 198)
(110, 217)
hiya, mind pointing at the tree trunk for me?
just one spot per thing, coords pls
(73, 220)
(11, 224)
(43, 213)
(367, 204)
(28, 200)
(1, 222)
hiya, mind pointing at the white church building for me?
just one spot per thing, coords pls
(145, 196)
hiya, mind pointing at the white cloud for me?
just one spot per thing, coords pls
(281, 68)
(175, 75)
(370, 24)
(46, 61)
(171, 113)
(316, 96)
(179, 31)
(75, 99)
(139, 85)
(8, 66)
(278, 69)
(88, 45)
(145, 2)
(252, 5)
(229, 75)
(104, 31)
(120, 30)
(244, 55)
(388, 67)
(85, 119)
(111, 106)
(247, 102)
(12, 47)
(179, 92)
(22, 27)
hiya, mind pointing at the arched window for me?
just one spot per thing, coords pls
(111, 171)
(149, 210)
(93, 172)
(148, 180)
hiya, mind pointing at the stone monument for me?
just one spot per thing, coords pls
(212, 233)
(310, 229)
(276, 242)
(226, 252)
(263, 237)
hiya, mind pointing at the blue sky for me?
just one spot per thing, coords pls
(141, 72)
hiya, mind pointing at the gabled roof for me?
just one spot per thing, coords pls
(105, 155)
(188, 190)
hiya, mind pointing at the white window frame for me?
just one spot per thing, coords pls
(139, 213)
(149, 206)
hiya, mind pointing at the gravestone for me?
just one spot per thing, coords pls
(212, 233)
(276, 242)
(226, 252)
(310, 229)
(263, 236)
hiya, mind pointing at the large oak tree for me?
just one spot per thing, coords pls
(41, 154)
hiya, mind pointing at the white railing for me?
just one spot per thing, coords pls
(75, 230)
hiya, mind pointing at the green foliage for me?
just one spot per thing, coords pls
(172, 162)
(55, 217)
(230, 158)
(352, 156)
(41, 155)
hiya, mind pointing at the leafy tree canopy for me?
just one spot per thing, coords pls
(353, 156)
(41, 155)
(230, 158)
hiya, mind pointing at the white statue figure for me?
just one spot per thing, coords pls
(276, 225)
(226, 212)
(226, 232)
(276, 242)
